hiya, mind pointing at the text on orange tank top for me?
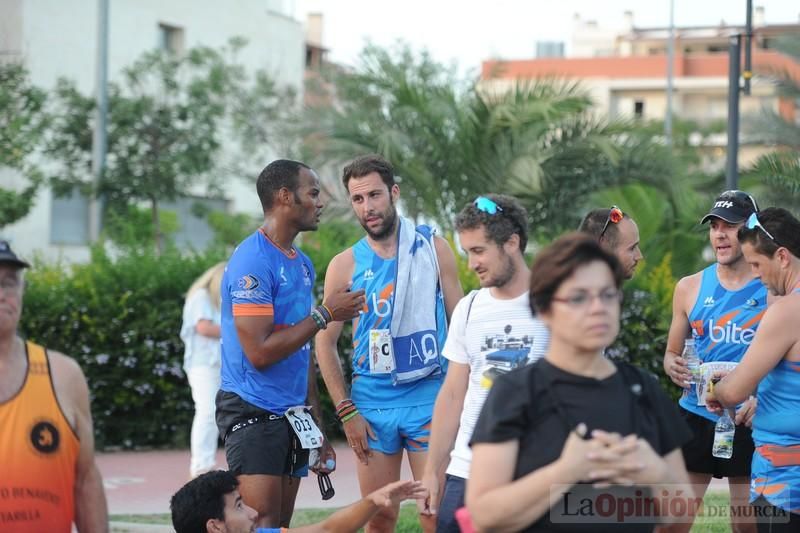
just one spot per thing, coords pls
(38, 455)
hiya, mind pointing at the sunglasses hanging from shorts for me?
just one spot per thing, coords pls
(615, 216)
(753, 222)
(325, 486)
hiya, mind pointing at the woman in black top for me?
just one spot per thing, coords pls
(576, 442)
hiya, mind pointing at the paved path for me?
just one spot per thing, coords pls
(142, 482)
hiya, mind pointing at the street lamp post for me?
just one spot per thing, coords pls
(99, 139)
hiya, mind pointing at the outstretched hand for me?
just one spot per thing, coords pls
(394, 493)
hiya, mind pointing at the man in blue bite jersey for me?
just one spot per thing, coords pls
(268, 320)
(719, 307)
(411, 284)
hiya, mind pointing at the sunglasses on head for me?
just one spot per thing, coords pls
(753, 222)
(487, 205)
(615, 215)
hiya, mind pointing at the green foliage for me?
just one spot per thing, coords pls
(165, 128)
(231, 229)
(120, 319)
(133, 227)
(23, 120)
(643, 334)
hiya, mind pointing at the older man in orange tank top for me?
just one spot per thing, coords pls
(48, 476)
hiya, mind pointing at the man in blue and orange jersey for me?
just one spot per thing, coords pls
(720, 307)
(397, 363)
(268, 320)
(771, 245)
(48, 476)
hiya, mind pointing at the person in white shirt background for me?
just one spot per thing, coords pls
(200, 333)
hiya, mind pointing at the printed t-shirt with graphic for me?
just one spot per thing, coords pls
(261, 279)
(496, 337)
(371, 389)
(723, 324)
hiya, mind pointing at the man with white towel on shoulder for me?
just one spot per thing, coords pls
(411, 283)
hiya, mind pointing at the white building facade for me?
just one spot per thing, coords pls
(58, 38)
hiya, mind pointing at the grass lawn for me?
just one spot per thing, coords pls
(408, 517)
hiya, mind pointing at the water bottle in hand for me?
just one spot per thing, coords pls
(723, 436)
(692, 361)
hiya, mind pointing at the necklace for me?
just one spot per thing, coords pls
(290, 252)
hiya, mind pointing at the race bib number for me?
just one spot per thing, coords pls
(707, 371)
(381, 352)
(304, 427)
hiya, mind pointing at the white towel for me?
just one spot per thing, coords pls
(417, 292)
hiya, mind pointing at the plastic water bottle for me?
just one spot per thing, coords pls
(315, 460)
(723, 436)
(692, 361)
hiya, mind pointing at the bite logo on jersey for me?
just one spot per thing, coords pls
(729, 333)
(44, 437)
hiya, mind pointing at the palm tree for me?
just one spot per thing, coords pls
(776, 175)
(450, 141)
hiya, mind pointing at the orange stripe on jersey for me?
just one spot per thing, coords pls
(772, 488)
(780, 455)
(753, 320)
(253, 310)
(387, 291)
(727, 317)
(697, 326)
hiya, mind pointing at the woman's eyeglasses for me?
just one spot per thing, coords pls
(487, 205)
(581, 300)
(753, 222)
(615, 216)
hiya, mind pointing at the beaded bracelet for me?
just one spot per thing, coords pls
(325, 311)
(344, 412)
(344, 407)
(319, 320)
(349, 416)
(344, 403)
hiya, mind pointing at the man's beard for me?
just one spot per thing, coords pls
(387, 228)
(504, 276)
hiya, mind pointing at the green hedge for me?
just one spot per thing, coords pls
(120, 319)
